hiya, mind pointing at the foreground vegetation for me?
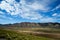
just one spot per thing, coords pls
(12, 35)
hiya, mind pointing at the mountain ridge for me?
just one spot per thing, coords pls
(32, 25)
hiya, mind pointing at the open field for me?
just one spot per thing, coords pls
(30, 34)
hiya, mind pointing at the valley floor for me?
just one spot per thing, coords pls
(30, 34)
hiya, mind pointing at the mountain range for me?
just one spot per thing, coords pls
(32, 25)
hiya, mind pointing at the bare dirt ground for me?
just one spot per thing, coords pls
(50, 35)
(39, 33)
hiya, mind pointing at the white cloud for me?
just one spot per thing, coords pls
(10, 1)
(1, 12)
(55, 14)
(56, 8)
(37, 5)
(6, 6)
(40, 4)
(6, 17)
(31, 15)
(24, 10)
(48, 19)
(21, 10)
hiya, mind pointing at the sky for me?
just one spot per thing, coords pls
(16, 11)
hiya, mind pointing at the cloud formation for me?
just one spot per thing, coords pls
(56, 15)
(21, 9)
(28, 9)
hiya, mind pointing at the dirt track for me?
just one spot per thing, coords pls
(44, 34)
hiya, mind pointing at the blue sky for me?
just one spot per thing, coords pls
(16, 11)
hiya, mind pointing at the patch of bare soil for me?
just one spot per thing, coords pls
(43, 34)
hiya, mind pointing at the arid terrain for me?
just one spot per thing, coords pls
(29, 33)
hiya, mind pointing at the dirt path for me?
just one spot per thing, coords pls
(44, 34)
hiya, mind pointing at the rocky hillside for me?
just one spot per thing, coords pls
(29, 25)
